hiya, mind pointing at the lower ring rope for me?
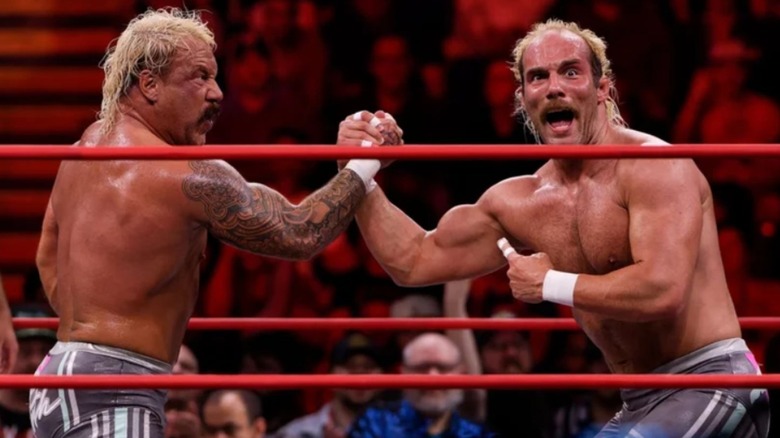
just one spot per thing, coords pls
(747, 323)
(287, 381)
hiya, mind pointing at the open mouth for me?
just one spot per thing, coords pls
(210, 115)
(559, 119)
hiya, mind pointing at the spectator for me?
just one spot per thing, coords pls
(423, 412)
(233, 413)
(34, 344)
(355, 354)
(181, 407)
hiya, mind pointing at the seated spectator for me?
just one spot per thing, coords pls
(355, 354)
(277, 352)
(34, 344)
(423, 412)
(181, 407)
(413, 306)
(233, 413)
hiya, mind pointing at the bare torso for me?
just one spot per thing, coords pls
(584, 228)
(128, 254)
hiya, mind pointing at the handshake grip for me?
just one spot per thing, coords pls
(381, 123)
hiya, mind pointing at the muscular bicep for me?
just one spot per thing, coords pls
(666, 215)
(259, 219)
(463, 245)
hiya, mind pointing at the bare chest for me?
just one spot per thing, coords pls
(583, 230)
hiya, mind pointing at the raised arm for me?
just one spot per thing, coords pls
(256, 218)
(462, 245)
(456, 294)
(665, 207)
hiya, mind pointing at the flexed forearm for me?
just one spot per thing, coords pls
(258, 219)
(393, 237)
(307, 228)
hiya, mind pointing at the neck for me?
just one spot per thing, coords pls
(343, 415)
(439, 424)
(572, 170)
(603, 134)
(130, 115)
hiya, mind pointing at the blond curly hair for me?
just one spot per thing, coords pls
(150, 42)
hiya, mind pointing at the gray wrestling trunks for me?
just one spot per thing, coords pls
(688, 413)
(125, 413)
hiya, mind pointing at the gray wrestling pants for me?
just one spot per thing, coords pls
(125, 413)
(688, 413)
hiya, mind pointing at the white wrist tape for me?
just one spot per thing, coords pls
(558, 287)
(366, 169)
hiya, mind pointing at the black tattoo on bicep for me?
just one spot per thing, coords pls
(258, 219)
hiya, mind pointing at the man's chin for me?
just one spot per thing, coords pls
(199, 140)
(570, 138)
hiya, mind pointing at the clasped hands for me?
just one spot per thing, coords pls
(367, 129)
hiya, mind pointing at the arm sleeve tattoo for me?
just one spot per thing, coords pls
(258, 219)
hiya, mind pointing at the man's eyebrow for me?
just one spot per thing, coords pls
(535, 70)
(569, 63)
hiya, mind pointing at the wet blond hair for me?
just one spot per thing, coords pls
(150, 42)
(600, 65)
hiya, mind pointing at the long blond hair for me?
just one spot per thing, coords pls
(600, 65)
(150, 42)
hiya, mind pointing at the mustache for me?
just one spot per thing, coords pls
(558, 106)
(211, 113)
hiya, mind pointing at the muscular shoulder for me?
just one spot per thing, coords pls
(656, 174)
(632, 136)
(199, 176)
(509, 191)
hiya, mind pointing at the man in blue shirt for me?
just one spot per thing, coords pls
(423, 412)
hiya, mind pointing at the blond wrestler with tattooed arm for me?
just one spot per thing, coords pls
(630, 244)
(122, 240)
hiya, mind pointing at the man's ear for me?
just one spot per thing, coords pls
(148, 84)
(259, 427)
(603, 89)
(519, 98)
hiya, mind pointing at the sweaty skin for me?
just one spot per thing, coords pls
(641, 233)
(122, 241)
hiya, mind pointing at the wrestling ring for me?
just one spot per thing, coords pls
(414, 152)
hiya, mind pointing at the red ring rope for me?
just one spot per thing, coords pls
(439, 152)
(288, 381)
(749, 323)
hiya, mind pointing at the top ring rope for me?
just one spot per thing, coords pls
(415, 152)
(747, 323)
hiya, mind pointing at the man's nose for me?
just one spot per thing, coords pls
(554, 89)
(215, 94)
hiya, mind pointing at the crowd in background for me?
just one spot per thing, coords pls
(688, 71)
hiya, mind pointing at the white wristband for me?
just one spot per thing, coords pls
(558, 287)
(365, 169)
